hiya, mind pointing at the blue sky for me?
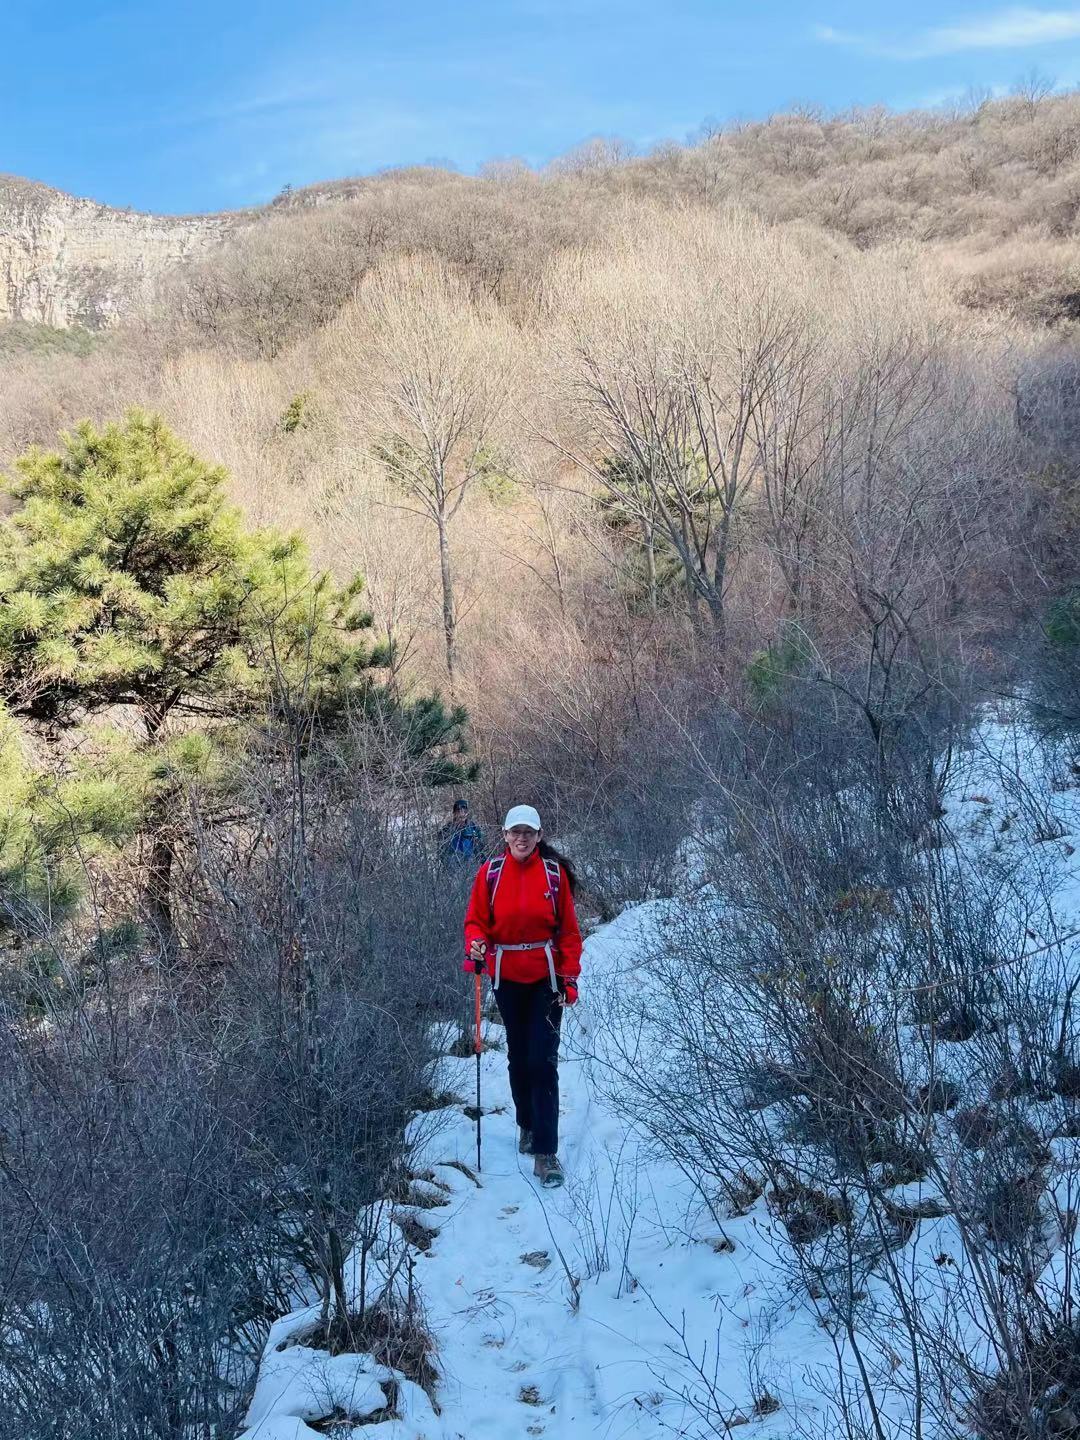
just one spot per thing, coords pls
(181, 105)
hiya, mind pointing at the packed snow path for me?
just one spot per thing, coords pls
(561, 1312)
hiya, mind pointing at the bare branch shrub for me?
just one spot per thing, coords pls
(845, 1021)
(186, 1156)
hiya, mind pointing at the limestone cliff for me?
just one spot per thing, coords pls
(66, 261)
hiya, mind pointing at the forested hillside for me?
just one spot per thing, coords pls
(284, 353)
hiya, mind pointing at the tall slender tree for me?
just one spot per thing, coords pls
(669, 353)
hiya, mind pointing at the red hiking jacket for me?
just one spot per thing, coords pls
(523, 911)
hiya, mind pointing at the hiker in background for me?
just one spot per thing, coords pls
(459, 838)
(521, 929)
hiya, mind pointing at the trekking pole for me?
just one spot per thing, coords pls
(477, 1046)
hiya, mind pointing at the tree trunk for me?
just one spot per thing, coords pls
(158, 892)
(719, 580)
(650, 564)
(697, 628)
(157, 883)
(556, 561)
(449, 617)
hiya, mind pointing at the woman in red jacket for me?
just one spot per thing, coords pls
(521, 928)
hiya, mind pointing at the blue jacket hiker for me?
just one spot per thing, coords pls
(459, 838)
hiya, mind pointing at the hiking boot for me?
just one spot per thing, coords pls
(548, 1171)
(524, 1141)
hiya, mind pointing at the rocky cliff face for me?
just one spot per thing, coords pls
(66, 261)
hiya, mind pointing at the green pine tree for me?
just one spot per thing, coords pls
(127, 583)
(126, 579)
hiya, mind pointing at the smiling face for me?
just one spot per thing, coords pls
(521, 841)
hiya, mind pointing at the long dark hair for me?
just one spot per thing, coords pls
(548, 852)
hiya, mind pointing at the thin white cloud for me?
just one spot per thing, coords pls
(272, 101)
(949, 95)
(1012, 29)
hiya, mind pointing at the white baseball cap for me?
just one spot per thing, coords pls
(522, 815)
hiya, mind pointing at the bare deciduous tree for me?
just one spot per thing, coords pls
(429, 375)
(670, 350)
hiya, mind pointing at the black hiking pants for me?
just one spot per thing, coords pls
(532, 1016)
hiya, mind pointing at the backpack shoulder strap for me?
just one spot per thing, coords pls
(493, 874)
(554, 876)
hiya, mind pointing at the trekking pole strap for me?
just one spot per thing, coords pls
(544, 945)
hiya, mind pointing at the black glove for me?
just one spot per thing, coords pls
(477, 963)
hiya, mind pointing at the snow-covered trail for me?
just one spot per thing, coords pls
(514, 1360)
(561, 1312)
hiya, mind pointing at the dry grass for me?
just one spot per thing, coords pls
(398, 1341)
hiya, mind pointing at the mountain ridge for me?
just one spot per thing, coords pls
(68, 260)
